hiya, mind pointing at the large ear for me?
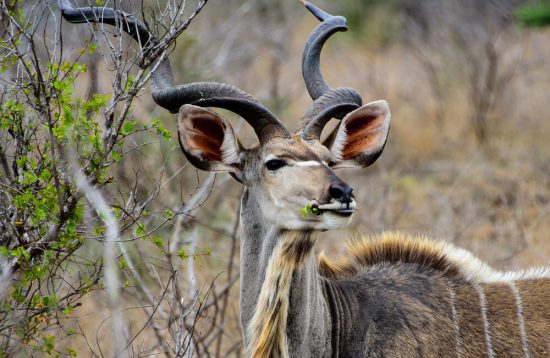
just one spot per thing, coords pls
(208, 140)
(362, 135)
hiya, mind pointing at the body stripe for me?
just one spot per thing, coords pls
(522, 330)
(458, 339)
(486, 325)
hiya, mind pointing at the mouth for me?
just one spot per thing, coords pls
(342, 209)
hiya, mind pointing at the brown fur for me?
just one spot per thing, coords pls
(487, 316)
(387, 248)
(502, 316)
(470, 321)
(536, 295)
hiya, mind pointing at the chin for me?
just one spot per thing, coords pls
(332, 221)
(329, 220)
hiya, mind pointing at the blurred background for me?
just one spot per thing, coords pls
(467, 160)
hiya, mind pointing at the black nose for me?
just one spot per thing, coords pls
(341, 192)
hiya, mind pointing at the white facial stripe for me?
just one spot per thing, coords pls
(304, 163)
(308, 163)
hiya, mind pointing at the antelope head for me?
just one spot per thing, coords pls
(291, 179)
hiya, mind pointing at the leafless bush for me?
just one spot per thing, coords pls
(58, 145)
(466, 38)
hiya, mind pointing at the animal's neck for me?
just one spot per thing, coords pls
(280, 290)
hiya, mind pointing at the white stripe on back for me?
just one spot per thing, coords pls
(486, 326)
(522, 330)
(455, 321)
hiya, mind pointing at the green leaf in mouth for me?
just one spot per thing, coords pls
(310, 209)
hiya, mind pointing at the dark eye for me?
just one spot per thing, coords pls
(274, 164)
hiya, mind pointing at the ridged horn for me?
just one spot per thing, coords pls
(165, 93)
(333, 104)
(328, 103)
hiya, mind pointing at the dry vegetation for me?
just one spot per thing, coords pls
(489, 193)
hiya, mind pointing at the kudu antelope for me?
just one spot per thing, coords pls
(395, 296)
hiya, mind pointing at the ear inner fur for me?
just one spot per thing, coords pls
(362, 135)
(207, 140)
(204, 133)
